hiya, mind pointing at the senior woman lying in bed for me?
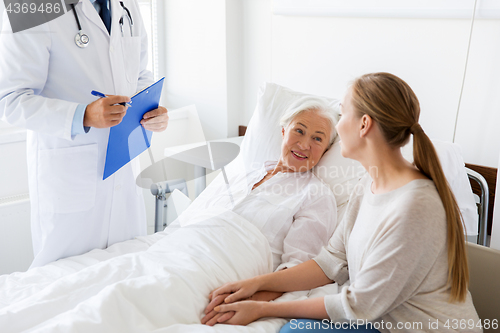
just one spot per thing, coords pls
(293, 208)
(272, 217)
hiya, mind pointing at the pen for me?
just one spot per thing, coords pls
(99, 94)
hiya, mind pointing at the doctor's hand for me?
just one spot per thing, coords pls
(155, 120)
(105, 112)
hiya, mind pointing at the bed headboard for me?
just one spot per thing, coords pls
(242, 130)
(490, 174)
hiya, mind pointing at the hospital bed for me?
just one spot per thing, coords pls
(145, 297)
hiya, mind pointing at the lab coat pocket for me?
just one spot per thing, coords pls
(131, 57)
(67, 179)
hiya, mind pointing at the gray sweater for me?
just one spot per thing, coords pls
(392, 248)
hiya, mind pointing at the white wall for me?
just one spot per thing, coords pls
(323, 54)
(257, 36)
(235, 64)
(203, 60)
(16, 252)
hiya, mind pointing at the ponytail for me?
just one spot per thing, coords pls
(427, 161)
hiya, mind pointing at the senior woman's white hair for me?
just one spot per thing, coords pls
(318, 105)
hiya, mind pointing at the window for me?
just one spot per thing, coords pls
(149, 13)
(2, 124)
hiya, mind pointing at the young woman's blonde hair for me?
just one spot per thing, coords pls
(393, 105)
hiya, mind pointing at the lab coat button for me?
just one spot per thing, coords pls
(111, 49)
(118, 187)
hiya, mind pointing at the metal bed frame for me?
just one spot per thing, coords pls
(482, 206)
(161, 191)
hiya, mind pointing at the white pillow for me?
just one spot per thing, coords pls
(450, 156)
(263, 138)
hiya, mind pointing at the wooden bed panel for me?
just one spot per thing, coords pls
(242, 130)
(490, 174)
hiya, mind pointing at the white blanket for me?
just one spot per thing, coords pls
(160, 288)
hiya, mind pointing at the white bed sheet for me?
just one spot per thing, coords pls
(157, 283)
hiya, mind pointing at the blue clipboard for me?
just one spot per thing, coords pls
(129, 139)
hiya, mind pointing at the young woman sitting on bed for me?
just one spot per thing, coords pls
(401, 243)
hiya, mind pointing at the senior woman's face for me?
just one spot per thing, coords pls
(305, 140)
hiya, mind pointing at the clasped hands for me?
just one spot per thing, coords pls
(107, 112)
(237, 303)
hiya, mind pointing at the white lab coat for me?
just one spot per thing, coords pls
(44, 76)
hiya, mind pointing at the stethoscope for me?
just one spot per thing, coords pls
(129, 17)
(82, 39)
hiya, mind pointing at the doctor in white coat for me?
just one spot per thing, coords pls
(45, 85)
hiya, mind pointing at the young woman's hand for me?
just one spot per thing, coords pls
(239, 290)
(245, 312)
(211, 317)
(214, 317)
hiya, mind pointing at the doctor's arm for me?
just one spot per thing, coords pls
(24, 64)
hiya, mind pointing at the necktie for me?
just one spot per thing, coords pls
(105, 13)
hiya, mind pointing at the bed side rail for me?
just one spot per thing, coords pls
(483, 204)
(161, 191)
